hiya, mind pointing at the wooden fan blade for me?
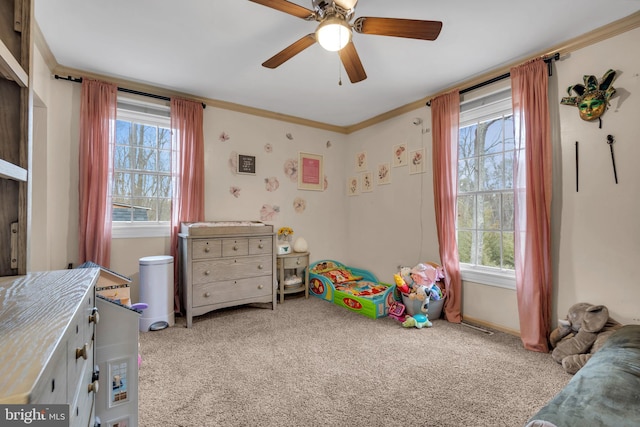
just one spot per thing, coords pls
(290, 51)
(287, 7)
(351, 61)
(407, 28)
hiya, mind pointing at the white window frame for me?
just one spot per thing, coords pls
(477, 110)
(154, 114)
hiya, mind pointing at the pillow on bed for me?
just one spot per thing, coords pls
(340, 275)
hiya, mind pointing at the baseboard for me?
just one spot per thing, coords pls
(477, 322)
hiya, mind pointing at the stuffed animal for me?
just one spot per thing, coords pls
(581, 334)
(418, 321)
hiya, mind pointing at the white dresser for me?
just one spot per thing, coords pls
(47, 325)
(224, 264)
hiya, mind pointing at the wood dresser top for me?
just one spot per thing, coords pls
(35, 311)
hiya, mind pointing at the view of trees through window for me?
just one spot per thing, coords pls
(485, 221)
(142, 170)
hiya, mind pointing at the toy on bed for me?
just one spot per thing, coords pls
(357, 289)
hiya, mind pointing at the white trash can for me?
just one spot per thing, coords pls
(156, 289)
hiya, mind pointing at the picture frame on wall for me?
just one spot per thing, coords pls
(310, 171)
(353, 186)
(361, 161)
(400, 155)
(246, 164)
(367, 182)
(417, 161)
(384, 174)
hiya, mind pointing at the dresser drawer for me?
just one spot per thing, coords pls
(52, 387)
(231, 268)
(259, 246)
(210, 248)
(235, 247)
(82, 405)
(231, 290)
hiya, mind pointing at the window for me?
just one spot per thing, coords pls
(142, 170)
(485, 222)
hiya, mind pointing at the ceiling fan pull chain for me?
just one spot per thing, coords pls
(339, 72)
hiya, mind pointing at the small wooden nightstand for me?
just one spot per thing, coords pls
(295, 262)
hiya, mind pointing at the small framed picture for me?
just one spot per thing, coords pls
(384, 174)
(119, 382)
(400, 155)
(120, 422)
(361, 161)
(417, 161)
(353, 186)
(246, 164)
(367, 182)
(311, 172)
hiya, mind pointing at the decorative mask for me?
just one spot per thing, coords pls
(593, 97)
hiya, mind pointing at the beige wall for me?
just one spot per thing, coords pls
(595, 231)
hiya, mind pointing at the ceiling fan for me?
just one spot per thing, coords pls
(334, 31)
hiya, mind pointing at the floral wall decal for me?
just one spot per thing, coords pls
(269, 212)
(235, 191)
(291, 169)
(224, 137)
(299, 204)
(328, 144)
(233, 162)
(271, 183)
(268, 148)
(289, 136)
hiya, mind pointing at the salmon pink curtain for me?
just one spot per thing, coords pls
(187, 173)
(97, 140)
(445, 119)
(532, 202)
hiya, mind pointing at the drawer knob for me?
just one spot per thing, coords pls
(260, 246)
(260, 286)
(208, 272)
(82, 352)
(298, 262)
(235, 247)
(207, 294)
(206, 249)
(260, 267)
(94, 386)
(95, 316)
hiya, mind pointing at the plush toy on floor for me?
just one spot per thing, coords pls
(581, 334)
(417, 320)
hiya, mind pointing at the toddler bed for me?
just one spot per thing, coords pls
(353, 288)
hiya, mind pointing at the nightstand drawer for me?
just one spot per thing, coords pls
(207, 249)
(231, 290)
(295, 262)
(235, 247)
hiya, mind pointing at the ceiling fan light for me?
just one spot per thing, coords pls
(333, 34)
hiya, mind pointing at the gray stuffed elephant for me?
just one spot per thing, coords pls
(580, 335)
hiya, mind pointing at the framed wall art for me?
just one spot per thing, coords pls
(361, 161)
(353, 186)
(367, 182)
(311, 172)
(417, 161)
(400, 153)
(384, 174)
(246, 164)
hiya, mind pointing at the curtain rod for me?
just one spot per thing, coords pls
(556, 56)
(121, 89)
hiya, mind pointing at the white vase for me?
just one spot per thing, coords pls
(300, 245)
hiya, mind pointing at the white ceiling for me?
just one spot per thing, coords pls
(214, 48)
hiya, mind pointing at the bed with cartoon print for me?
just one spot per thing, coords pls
(356, 289)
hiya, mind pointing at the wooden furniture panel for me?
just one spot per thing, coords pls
(242, 271)
(16, 103)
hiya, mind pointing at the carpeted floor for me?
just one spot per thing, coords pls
(312, 363)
